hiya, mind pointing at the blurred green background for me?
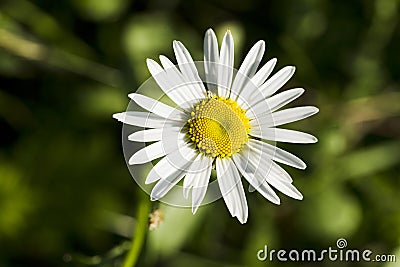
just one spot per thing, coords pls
(66, 195)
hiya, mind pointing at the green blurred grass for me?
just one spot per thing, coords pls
(66, 66)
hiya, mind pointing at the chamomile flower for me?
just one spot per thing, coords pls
(225, 121)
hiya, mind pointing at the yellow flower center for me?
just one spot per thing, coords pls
(218, 127)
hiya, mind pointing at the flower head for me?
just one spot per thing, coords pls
(224, 120)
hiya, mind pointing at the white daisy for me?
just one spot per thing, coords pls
(224, 122)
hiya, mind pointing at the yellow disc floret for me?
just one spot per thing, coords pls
(218, 127)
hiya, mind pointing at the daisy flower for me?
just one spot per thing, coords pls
(225, 121)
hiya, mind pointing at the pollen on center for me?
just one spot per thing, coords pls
(218, 127)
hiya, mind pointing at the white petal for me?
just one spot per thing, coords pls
(281, 173)
(261, 161)
(187, 185)
(144, 119)
(172, 174)
(251, 94)
(283, 117)
(148, 153)
(167, 85)
(274, 83)
(157, 107)
(211, 60)
(282, 135)
(189, 69)
(163, 186)
(171, 140)
(292, 114)
(225, 67)
(251, 173)
(285, 187)
(182, 85)
(179, 82)
(267, 172)
(151, 135)
(201, 183)
(263, 107)
(248, 68)
(193, 171)
(185, 62)
(277, 154)
(161, 169)
(232, 189)
(279, 100)
(262, 74)
(171, 164)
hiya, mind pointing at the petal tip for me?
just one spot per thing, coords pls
(119, 116)
(132, 96)
(154, 196)
(153, 66)
(242, 220)
(132, 137)
(210, 31)
(194, 209)
(133, 160)
(299, 196)
(260, 43)
(150, 61)
(150, 180)
(228, 36)
(301, 90)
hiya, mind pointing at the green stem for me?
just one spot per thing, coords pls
(139, 233)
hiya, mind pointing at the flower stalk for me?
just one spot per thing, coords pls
(139, 233)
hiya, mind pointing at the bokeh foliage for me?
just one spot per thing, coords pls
(66, 66)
